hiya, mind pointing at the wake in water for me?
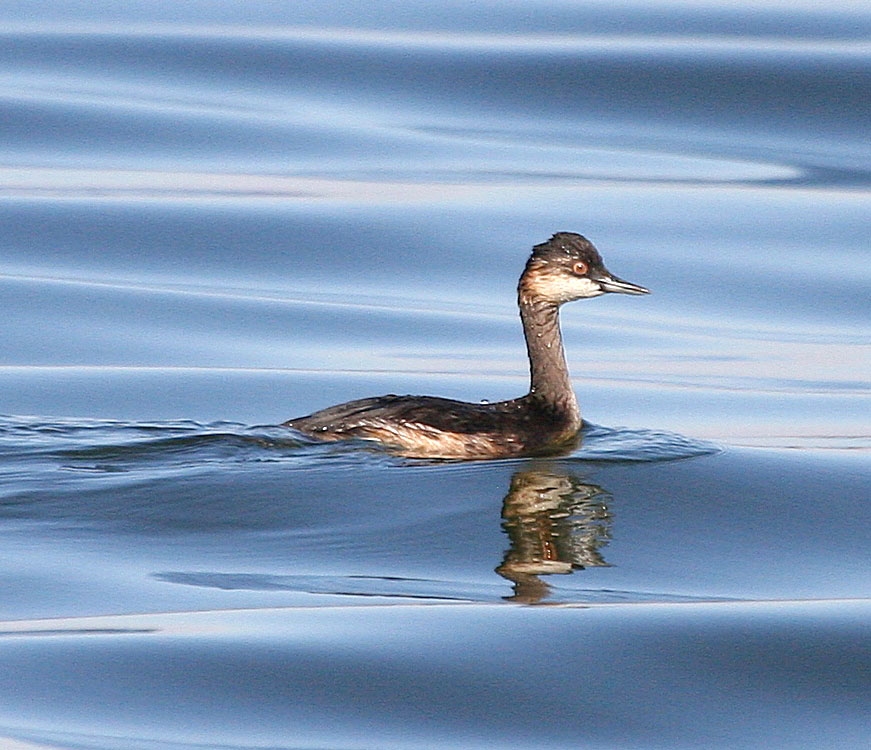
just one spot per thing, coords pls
(264, 484)
(406, 589)
(110, 447)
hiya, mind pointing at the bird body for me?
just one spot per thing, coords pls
(546, 420)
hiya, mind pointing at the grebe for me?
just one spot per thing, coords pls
(546, 420)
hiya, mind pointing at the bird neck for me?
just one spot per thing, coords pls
(549, 376)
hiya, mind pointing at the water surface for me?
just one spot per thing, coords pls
(220, 216)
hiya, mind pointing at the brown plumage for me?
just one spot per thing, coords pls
(546, 420)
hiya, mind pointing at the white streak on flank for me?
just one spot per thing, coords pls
(418, 440)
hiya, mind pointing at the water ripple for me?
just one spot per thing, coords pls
(623, 445)
(117, 447)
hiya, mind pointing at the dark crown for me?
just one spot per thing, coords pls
(568, 246)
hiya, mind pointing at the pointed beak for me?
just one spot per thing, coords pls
(611, 283)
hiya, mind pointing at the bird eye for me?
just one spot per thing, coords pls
(580, 268)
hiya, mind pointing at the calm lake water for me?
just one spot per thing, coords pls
(217, 216)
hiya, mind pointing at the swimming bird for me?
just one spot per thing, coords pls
(546, 420)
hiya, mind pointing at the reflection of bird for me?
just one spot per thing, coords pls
(556, 524)
(565, 268)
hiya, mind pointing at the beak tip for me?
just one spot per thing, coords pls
(614, 284)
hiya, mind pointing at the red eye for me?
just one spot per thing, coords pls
(580, 268)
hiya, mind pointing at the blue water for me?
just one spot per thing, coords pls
(217, 216)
